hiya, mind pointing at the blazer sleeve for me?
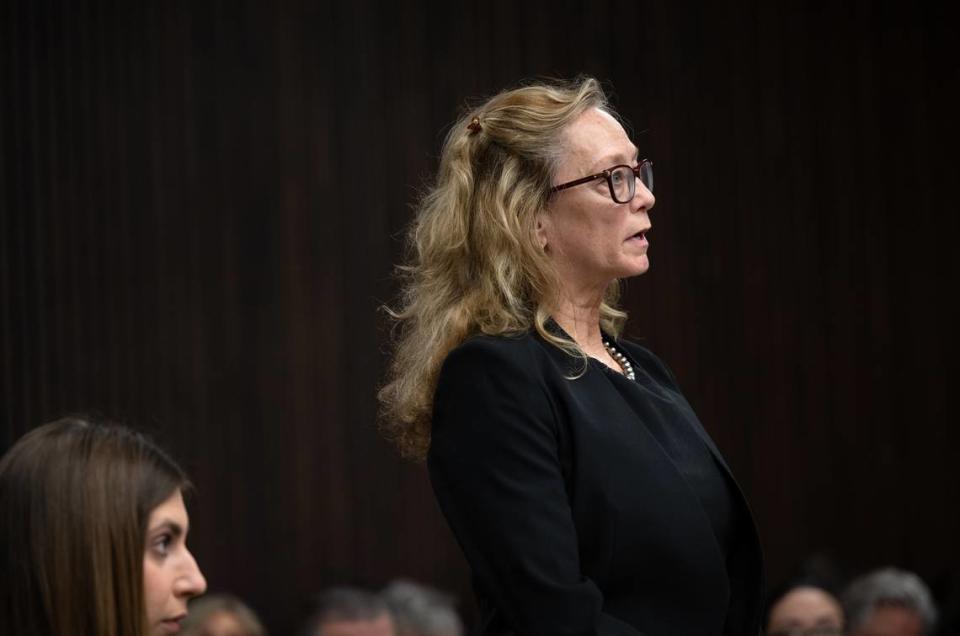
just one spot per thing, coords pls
(495, 468)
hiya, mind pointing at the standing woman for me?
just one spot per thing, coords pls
(584, 492)
(93, 535)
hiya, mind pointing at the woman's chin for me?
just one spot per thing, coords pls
(636, 267)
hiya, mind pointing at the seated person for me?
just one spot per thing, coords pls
(93, 534)
(804, 606)
(221, 615)
(889, 602)
(349, 611)
(419, 610)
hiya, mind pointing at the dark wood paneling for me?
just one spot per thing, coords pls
(202, 203)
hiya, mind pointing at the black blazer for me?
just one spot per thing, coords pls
(573, 518)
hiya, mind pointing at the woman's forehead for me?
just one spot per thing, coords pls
(596, 140)
(172, 510)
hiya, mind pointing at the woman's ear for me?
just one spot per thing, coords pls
(543, 223)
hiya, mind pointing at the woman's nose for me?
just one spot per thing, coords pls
(191, 582)
(645, 195)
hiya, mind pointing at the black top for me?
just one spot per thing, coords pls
(595, 505)
(691, 456)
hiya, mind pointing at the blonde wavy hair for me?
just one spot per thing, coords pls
(474, 265)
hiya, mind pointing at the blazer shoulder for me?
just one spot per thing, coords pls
(490, 383)
(481, 351)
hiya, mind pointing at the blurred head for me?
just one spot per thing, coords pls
(347, 611)
(804, 610)
(419, 610)
(492, 247)
(221, 615)
(889, 602)
(92, 534)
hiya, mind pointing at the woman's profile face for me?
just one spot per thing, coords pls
(170, 573)
(591, 238)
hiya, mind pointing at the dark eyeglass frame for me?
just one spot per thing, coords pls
(608, 175)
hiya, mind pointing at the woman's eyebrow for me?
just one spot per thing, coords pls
(172, 527)
(607, 160)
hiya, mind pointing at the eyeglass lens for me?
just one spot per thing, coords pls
(623, 181)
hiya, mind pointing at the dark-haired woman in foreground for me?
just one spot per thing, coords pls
(93, 534)
(584, 492)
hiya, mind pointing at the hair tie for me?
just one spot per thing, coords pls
(474, 126)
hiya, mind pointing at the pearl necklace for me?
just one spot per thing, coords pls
(621, 360)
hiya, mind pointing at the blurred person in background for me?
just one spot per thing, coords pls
(804, 606)
(93, 533)
(889, 602)
(419, 610)
(221, 615)
(349, 611)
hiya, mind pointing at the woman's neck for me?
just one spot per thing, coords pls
(579, 316)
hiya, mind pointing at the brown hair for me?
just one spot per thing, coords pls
(474, 264)
(75, 501)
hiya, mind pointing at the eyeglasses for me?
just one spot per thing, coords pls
(819, 630)
(621, 179)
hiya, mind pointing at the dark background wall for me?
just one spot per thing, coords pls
(202, 204)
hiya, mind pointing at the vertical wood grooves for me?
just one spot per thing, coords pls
(201, 206)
